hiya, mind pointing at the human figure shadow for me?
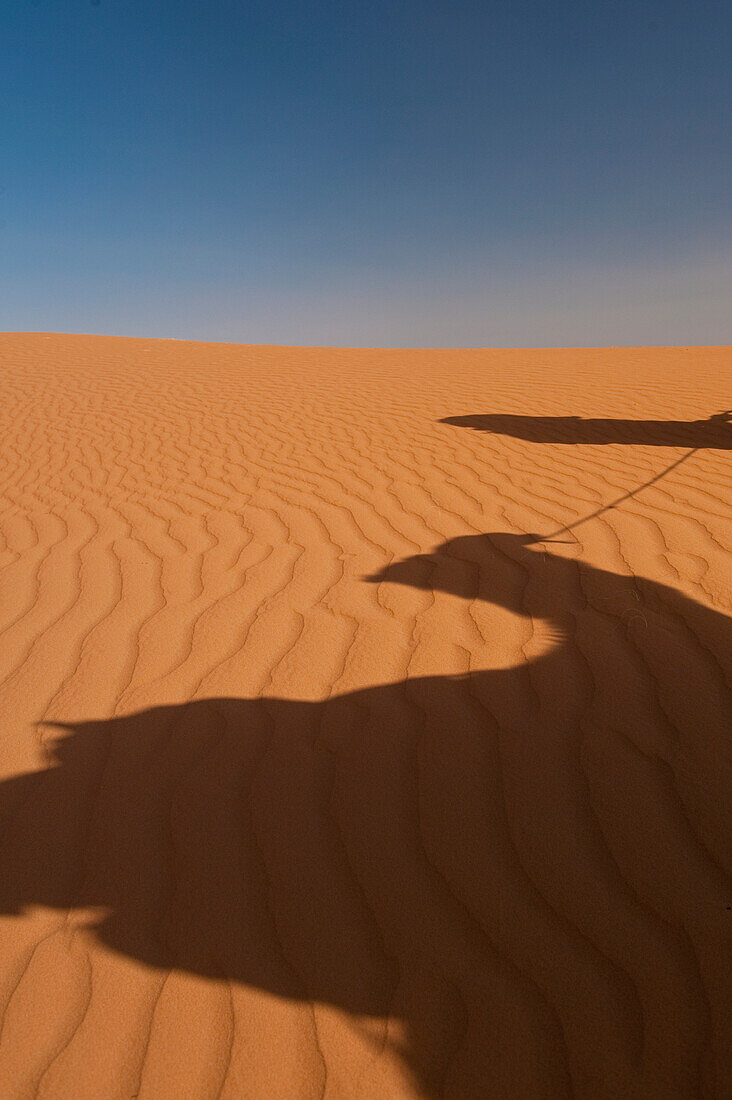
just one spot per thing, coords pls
(714, 433)
(523, 864)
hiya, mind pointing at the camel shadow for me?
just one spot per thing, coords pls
(714, 433)
(522, 864)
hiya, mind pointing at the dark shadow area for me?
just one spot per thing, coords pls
(525, 864)
(715, 432)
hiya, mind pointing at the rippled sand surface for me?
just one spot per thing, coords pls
(365, 722)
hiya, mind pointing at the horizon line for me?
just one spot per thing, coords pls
(371, 347)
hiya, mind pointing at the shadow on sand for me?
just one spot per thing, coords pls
(715, 432)
(523, 864)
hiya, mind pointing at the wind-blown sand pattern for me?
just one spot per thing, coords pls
(319, 777)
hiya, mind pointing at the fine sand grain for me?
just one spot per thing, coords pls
(366, 722)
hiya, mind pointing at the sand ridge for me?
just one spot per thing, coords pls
(323, 773)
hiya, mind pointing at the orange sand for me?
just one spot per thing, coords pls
(318, 777)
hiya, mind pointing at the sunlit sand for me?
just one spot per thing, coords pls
(365, 721)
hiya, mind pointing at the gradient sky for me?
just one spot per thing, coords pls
(395, 172)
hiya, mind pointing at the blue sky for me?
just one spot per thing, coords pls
(472, 173)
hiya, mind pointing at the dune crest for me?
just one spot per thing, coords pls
(366, 721)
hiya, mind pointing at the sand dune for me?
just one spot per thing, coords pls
(366, 722)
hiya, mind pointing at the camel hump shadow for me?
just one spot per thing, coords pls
(714, 433)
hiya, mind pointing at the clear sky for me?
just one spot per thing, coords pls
(388, 172)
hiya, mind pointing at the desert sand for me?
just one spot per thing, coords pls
(366, 722)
